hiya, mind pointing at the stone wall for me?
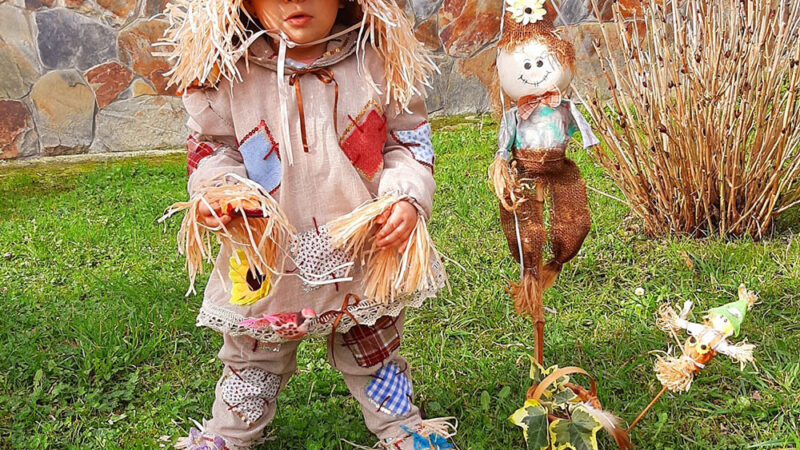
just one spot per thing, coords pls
(78, 76)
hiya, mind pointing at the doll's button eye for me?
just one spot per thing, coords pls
(539, 63)
(527, 66)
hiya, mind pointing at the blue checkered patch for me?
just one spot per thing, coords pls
(418, 141)
(390, 390)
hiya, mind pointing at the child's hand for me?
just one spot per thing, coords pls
(205, 217)
(397, 224)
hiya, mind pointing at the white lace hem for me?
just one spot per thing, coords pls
(365, 313)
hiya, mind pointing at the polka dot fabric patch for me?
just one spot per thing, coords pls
(418, 141)
(247, 391)
(316, 258)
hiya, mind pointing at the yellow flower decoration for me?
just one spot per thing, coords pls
(249, 286)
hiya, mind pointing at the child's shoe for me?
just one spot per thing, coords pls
(430, 434)
(198, 439)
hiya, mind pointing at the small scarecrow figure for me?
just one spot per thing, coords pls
(705, 340)
(535, 67)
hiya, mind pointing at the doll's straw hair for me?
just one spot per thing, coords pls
(261, 239)
(389, 274)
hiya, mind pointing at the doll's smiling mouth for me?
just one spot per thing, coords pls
(534, 83)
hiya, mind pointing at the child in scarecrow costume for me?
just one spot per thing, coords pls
(310, 115)
(535, 67)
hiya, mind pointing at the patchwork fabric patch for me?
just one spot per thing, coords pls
(262, 157)
(363, 140)
(372, 345)
(247, 391)
(390, 390)
(316, 258)
(418, 142)
(196, 150)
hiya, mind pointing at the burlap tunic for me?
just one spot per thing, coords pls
(370, 149)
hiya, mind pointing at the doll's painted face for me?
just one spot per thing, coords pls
(530, 69)
(303, 21)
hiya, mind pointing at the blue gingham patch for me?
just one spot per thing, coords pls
(390, 390)
(418, 141)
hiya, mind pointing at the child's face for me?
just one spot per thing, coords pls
(303, 21)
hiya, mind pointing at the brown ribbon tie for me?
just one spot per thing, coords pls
(324, 75)
(339, 314)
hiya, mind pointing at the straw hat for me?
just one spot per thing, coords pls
(527, 20)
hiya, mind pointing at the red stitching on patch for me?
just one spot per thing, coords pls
(420, 125)
(261, 126)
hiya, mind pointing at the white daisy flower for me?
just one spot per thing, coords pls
(526, 11)
(639, 292)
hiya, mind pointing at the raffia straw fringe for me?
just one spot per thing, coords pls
(389, 274)
(676, 374)
(503, 183)
(550, 272)
(446, 427)
(261, 239)
(525, 294)
(667, 319)
(201, 34)
(203, 37)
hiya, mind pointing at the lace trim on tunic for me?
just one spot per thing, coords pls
(365, 313)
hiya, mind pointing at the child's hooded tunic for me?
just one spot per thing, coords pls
(371, 149)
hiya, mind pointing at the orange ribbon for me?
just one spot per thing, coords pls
(526, 105)
(324, 75)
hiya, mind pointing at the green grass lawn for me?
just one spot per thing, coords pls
(99, 347)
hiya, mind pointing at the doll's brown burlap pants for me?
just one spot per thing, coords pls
(558, 178)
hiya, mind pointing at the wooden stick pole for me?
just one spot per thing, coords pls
(538, 321)
(644, 411)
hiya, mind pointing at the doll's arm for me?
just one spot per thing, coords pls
(578, 123)
(211, 145)
(408, 155)
(741, 352)
(507, 133)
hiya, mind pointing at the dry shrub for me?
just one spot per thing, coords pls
(702, 129)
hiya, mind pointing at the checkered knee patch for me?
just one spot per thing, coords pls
(390, 390)
(371, 345)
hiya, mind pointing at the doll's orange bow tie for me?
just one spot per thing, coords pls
(526, 105)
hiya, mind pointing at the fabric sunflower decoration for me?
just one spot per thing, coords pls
(249, 285)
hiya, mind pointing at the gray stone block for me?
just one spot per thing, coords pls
(70, 40)
(148, 122)
(19, 65)
(64, 111)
